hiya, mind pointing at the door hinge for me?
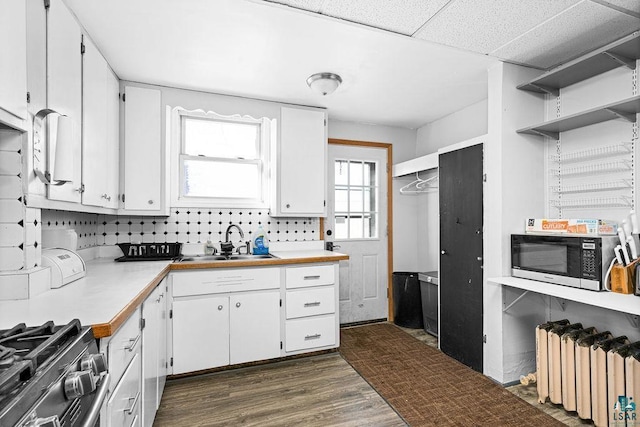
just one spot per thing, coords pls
(81, 189)
(325, 122)
(166, 364)
(47, 4)
(123, 97)
(280, 345)
(280, 302)
(28, 97)
(325, 203)
(143, 323)
(484, 339)
(82, 48)
(171, 364)
(122, 197)
(171, 314)
(484, 177)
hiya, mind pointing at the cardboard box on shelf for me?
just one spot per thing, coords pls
(596, 227)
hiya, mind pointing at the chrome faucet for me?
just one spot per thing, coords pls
(227, 246)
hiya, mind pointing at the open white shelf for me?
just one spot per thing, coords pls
(629, 304)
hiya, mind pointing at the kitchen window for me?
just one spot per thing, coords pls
(223, 160)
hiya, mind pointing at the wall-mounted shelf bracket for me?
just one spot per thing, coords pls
(634, 320)
(630, 117)
(622, 60)
(548, 134)
(515, 301)
(562, 303)
(546, 89)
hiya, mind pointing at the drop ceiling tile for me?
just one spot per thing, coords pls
(485, 25)
(630, 5)
(400, 16)
(310, 5)
(579, 30)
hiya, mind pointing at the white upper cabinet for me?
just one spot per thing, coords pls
(13, 66)
(144, 157)
(299, 162)
(64, 87)
(99, 130)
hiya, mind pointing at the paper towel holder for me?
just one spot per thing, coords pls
(62, 165)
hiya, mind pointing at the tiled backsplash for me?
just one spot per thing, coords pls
(184, 225)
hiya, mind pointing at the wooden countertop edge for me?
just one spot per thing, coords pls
(190, 265)
(103, 330)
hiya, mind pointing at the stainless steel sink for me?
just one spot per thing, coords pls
(236, 257)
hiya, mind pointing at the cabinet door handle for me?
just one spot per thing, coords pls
(312, 277)
(312, 337)
(133, 342)
(220, 307)
(238, 304)
(135, 399)
(312, 304)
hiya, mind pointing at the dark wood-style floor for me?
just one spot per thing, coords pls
(315, 391)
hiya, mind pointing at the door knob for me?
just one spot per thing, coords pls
(479, 258)
(443, 252)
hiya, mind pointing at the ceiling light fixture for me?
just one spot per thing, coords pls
(324, 83)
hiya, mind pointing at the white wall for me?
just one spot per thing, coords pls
(462, 125)
(405, 242)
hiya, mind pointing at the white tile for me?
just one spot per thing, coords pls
(11, 211)
(30, 233)
(400, 16)
(14, 286)
(11, 235)
(39, 255)
(30, 257)
(10, 163)
(569, 35)
(110, 239)
(10, 187)
(39, 281)
(10, 140)
(11, 259)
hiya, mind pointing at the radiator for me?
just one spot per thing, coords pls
(592, 373)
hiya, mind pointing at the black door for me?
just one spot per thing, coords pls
(460, 281)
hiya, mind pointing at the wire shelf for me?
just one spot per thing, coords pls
(596, 168)
(596, 202)
(594, 187)
(593, 153)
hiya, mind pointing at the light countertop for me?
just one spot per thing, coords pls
(111, 291)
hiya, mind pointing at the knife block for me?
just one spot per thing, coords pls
(623, 278)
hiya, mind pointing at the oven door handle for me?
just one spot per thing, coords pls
(101, 395)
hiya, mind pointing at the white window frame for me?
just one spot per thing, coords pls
(267, 132)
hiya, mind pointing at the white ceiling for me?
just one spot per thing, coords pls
(403, 62)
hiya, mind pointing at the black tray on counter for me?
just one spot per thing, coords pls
(149, 251)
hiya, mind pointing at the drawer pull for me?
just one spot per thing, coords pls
(130, 409)
(133, 342)
(312, 277)
(312, 304)
(312, 337)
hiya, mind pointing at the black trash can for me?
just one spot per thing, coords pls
(407, 303)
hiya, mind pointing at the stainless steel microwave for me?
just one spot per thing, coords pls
(572, 260)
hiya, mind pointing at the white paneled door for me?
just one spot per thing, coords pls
(357, 225)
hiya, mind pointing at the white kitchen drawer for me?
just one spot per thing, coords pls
(302, 334)
(123, 406)
(310, 302)
(315, 275)
(123, 346)
(215, 281)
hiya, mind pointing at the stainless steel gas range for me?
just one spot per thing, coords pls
(51, 376)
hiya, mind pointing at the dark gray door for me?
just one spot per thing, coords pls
(460, 188)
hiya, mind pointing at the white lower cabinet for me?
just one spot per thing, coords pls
(254, 332)
(305, 334)
(154, 352)
(225, 316)
(124, 362)
(200, 333)
(123, 406)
